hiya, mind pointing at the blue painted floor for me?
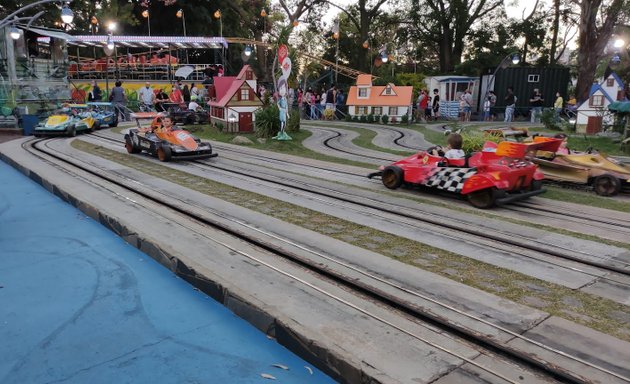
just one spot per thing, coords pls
(79, 305)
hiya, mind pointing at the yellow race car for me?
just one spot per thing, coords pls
(604, 174)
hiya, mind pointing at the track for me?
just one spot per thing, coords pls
(578, 266)
(489, 346)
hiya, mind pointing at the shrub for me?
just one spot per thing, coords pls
(385, 119)
(348, 117)
(473, 140)
(220, 127)
(549, 120)
(355, 118)
(363, 119)
(404, 119)
(293, 123)
(268, 121)
(370, 118)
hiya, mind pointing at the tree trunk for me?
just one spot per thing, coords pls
(555, 27)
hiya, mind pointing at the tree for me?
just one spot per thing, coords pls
(446, 25)
(597, 21)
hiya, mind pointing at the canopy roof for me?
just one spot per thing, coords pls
(620, 106)
(157, 42)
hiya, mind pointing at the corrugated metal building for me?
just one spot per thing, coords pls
(524, 80)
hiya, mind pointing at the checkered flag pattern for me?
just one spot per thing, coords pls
(450, 179)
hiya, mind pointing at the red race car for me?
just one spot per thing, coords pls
(499, 174)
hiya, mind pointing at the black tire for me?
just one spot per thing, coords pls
(130, 147)
(606, 185)
(114, 124)
(72, 131)
(482, 199)
(536, 185)
(392, 177)
(164, 153)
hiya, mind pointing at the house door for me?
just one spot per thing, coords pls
(594, 125)
(245, 122)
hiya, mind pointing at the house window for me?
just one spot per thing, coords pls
(377, 110)
(249, 75)
(533, 78)
(388, 90)
(610, 82)
(362, 111)
(393, 111)
(362, 92)
(596, 101)
(244, 94)
(217, 112)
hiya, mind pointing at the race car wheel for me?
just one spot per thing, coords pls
(392, 177)
(606, 185)
(114, 123)
(482, 199)
(536, 185)
(164, 153)
(130, 147)
(72, 131)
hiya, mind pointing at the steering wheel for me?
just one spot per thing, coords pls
(436, 148)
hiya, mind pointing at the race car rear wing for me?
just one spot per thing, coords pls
(521, 150)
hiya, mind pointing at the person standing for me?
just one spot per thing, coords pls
(119, 100)
(486, 109)
(194, 92)
(339, 100)
(510, 104)
(468, 102)
(161, 98)
(186, 94)
(95, 94)
(423, 102)
(557, 105)
(536, 102)
(147, 98)
(176, 96)
(436, 104)
(493, 102)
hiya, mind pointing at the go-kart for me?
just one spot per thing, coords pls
(104, 113)
(182, 115)
(69, 120)
(174, 144)
(499, 174)
(604, 174)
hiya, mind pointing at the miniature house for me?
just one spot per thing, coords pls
(365, 99)
(593, 113)
(235, 101)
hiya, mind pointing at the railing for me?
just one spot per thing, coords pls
(133, 71)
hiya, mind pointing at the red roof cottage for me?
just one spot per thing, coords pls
(236, 101)
(365, 98)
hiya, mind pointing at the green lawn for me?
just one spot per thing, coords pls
(292, 147)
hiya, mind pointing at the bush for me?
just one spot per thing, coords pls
(549, 120)
(377, 118)
(220, 127)
(473, 140)
(363, 119)
(293, 123)
(370, 118)
(404, 119)
(268, 121)
(385, 119)
(355, 118)
(348, 117)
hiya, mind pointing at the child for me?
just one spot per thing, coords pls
(453, 148)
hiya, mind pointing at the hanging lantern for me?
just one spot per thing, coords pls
(296, 23)
(217, 14)
(366, 44)
(145, 13)
(180, 13)
(94, 20)
(263, 13)
(335, 35)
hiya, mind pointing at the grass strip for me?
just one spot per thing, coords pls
(590, 310)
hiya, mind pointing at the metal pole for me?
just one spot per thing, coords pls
(8, 18)
(184, 24)
(337, 59)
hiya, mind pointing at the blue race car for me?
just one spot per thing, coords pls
(104, 113)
